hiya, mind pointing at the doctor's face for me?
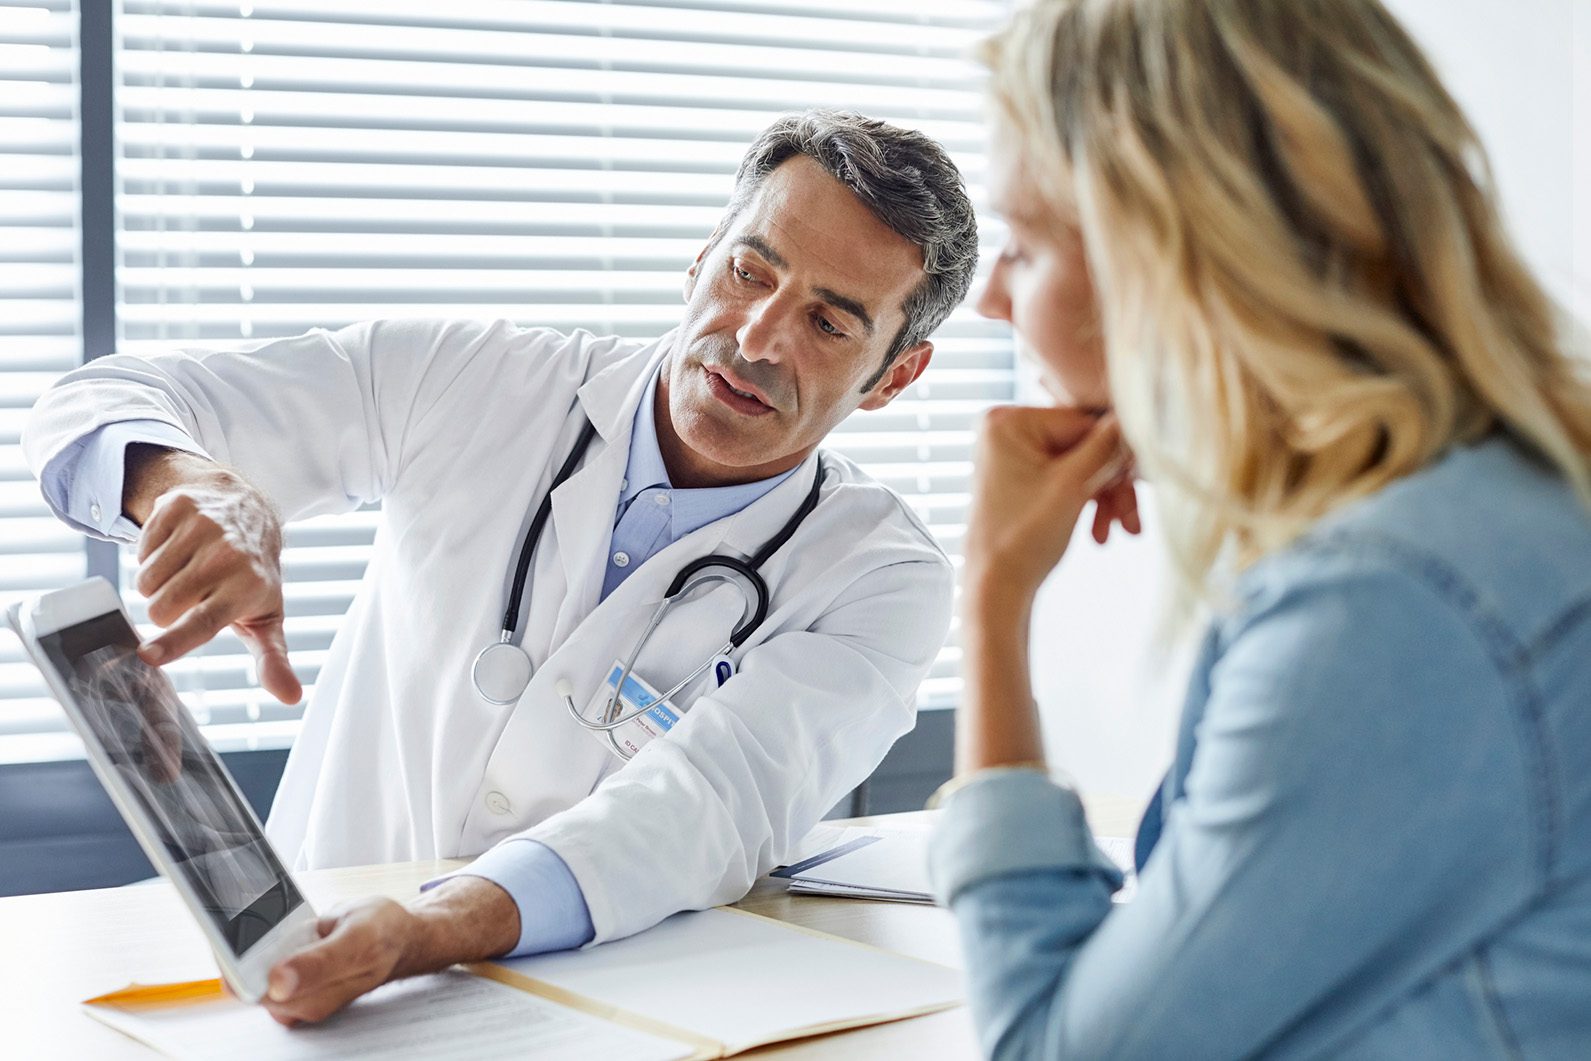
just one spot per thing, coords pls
(790, 313)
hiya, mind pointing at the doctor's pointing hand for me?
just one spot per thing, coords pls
(209, 557)
(506, 685)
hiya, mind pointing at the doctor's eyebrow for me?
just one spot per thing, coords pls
(762, 247)
(847, 305)
(843, 303)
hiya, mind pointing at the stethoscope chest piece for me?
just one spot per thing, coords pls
(501, 673)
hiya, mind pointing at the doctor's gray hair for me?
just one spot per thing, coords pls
(909, 183)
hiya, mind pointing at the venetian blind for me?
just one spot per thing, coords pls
(287, 164)
(40, 326)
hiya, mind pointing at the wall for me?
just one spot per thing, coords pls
(60, 830)
(1523, 72)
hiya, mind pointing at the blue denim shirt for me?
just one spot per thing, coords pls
(1376, 838)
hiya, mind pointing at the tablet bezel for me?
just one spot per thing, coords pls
(93, 599)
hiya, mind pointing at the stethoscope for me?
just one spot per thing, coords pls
(502, 671)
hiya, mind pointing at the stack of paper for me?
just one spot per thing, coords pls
(855, 862)
(893, 868)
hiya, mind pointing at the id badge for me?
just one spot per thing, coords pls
(656, 718)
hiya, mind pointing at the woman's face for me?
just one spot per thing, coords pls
(1041, 285)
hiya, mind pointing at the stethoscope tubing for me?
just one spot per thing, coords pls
(751, 619)
(527, 548)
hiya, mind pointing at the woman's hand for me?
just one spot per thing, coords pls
(1037, 468)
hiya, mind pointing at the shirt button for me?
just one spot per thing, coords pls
(662, 499)
(93, 511)
(624, 484)
(498, 803)
(621, 559)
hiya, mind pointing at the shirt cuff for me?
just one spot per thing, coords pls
(1011, 821)
(552, 909)
(83, 483)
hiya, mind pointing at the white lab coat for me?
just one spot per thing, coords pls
(457, 428)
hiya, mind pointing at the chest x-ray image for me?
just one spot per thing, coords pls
(154, 744)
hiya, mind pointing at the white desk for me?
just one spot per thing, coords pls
(62, 948)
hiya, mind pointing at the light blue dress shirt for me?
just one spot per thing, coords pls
(1376, 838)
(85, 483)
(652, 515)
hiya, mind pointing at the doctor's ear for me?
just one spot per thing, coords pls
(901, 373)
(701, 256)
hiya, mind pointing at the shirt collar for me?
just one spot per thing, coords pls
(691, 509)
(646, 468)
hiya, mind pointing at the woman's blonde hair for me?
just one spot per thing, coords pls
(1305, 288)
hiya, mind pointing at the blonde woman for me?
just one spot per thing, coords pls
(1256, 236)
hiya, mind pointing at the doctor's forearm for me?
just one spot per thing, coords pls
(365, 944)
(464, 919)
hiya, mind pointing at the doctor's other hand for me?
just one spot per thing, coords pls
(368, 943)
(210, 556)
(1037, 467)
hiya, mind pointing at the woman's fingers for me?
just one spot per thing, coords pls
(1101, 457)
(1122, 500)
(1035, 473)
(1127, 506)
(1103, 517)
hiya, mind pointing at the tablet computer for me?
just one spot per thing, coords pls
(165, 779)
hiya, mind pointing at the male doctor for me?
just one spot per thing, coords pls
(845, 244)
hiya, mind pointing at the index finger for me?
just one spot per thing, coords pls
(202, 622)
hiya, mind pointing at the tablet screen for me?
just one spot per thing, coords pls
(153, 743)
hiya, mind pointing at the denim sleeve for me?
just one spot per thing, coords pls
(552, 909)
(1359, 813)
(83, 483)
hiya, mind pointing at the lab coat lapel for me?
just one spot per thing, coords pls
(743, 533)
(613, 623)
(584, 506)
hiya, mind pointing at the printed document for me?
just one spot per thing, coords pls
(451, 1016)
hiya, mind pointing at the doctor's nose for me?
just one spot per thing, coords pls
(765, 333)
